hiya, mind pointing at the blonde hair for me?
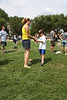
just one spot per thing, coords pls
(25, 20)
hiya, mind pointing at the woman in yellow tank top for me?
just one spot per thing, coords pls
(26, 40)
(24, 34)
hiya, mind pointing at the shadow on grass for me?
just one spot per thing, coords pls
(39, 60)
(4, 62)
(55, 50)
(10, 51)
(47, 60)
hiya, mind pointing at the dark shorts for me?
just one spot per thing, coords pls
(64, 44)
(26, 44)
(42, 51)
(53, 43)
(14, 40)
(3, 43)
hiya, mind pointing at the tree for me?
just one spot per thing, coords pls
(47, 22)
(3, 14)
(16, 24)
(3, 19)
(2, 22)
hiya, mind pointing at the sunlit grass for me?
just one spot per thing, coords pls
(48, 82)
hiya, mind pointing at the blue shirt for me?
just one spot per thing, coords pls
(64, 37)
(3, 35)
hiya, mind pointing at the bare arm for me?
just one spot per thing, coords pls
(39, 41)
(60, 37)
(27, 31)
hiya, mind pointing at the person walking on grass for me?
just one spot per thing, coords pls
(26, 40)
(64, 41)
(42, 46)
(3, 35)
(52, 36)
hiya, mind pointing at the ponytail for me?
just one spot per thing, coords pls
(25, 20)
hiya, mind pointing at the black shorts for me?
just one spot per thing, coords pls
(3, 43)
(14, 40)
(53, 43)
(26, 44)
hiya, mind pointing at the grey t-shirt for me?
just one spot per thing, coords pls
(3, 35)
(64, 36)
(51, 35)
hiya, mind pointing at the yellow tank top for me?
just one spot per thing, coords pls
(24, 34)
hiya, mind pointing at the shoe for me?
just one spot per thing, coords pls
(42, 63)
(65, 53)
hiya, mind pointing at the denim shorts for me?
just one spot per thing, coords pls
(53, 43)
(42, 51)
(26, 44)
(3, 44)
(64, 44)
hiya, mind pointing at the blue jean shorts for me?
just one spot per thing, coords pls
(26, 44)
(42, 51)
(64, 44)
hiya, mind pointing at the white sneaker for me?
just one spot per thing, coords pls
(65, 53)
(42, 63)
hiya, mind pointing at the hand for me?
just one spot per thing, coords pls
(34, 38)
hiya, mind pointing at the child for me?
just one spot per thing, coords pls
(59, 40)
(42, 46)
(3, 35)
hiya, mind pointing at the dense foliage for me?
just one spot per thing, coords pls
(47, 22)
(40, 22)
(3, 18)
(16, 24)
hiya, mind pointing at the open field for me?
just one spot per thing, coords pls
(48, 82)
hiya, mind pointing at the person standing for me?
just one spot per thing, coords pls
(42, 46)
(64, 41)
(15, 38)
(58, 39)
(26, 40)
(3, 35)
(52, 36)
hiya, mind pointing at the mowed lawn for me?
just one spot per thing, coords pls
(48, 82)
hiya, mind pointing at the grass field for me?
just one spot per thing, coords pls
(48, 82)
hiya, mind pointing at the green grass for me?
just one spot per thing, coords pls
(48, 82)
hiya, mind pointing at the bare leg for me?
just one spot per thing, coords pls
(2, 49)
(61, 49)
(51, 49)
(42, 59)
(26, 56)
(65, 50)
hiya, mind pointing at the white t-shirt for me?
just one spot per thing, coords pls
(15, 37)
(42, 45)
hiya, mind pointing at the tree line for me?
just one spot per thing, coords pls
(44, 22)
